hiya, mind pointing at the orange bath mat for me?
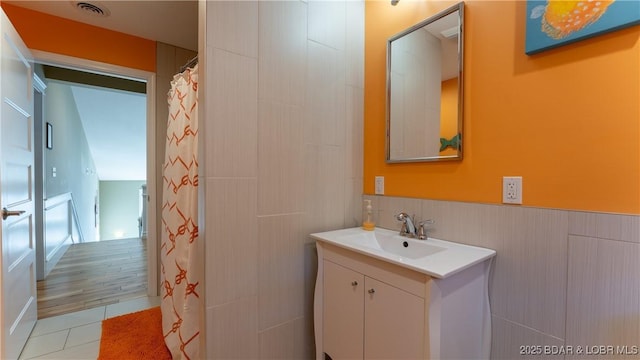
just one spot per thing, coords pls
(134, 336)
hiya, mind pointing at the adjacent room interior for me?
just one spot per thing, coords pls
(94, 165)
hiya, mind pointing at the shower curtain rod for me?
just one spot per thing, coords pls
(189, 64)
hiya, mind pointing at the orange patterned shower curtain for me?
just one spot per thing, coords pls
(178, 250)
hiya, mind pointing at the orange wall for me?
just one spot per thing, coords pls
(61, 36)
(566, 120)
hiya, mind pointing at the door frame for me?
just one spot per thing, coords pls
(48, 58)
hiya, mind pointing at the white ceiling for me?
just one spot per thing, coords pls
(115, 121)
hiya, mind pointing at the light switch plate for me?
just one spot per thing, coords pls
(379, 185)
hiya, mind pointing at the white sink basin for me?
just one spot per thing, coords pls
(394, 244)
(437, 258)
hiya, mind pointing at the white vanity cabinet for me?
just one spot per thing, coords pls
(367, 318)
(367, 307)
(370, 309)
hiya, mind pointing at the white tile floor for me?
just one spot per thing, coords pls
(77, 335)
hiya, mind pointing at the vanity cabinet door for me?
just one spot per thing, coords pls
(343, 310)
(394, 323)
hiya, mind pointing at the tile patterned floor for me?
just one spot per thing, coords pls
(77, 335)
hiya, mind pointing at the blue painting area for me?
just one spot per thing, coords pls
(620, 14)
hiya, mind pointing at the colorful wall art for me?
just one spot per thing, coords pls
(552, 23)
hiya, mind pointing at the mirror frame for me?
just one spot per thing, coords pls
(458, 7)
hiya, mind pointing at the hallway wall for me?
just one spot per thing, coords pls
(282, 158)
(75, 170)
(119, 206)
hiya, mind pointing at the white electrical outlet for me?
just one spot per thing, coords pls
(379, 185)
(512, 189)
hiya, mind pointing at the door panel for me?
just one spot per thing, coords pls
(19, 130)
(18, 240)
(344, 311)
(18, 190)
(18, 290)
(16, 69)
(394, 323)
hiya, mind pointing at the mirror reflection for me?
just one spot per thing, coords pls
(424, 90)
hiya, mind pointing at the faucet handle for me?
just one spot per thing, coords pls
(402, 217)
(422, 232)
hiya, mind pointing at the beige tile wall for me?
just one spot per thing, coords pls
(283, 158)
(560, 277)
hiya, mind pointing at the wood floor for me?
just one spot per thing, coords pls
(94, 274)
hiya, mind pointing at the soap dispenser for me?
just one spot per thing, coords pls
(367, 216)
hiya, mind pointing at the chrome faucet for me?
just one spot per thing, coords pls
(409, 229)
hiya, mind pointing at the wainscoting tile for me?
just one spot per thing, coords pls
(232, 330)
(333, 185)
(354, 203)
(605, 226)
(327, 23)
(513, 341)
(354, 139)
(233, 26)
(531, 269)
(603, 296)
(304, 332)
(233, 261)
(355, 43)
(325, 188)
(278, 342)
(282, 51)
(281, 159)
(456, 221)
(281, 278)
(310, 274)
(312, 184)
(303, 339)
(326, 96)
(389, 207)
(232, 149)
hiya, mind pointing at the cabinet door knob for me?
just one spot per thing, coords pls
(371, 291)
(354, 283)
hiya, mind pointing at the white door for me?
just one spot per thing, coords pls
(18, 282)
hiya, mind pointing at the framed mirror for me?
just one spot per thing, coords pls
(425, 89)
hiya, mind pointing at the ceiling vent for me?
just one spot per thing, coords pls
(92, 8)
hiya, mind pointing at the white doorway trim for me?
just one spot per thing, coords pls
(47, 58)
